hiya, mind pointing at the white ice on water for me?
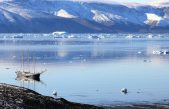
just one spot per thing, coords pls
(63, 35)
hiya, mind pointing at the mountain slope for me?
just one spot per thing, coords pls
(34, 16)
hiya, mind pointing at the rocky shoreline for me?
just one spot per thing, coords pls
(14, 97)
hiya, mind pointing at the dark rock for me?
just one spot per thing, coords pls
(13, 97)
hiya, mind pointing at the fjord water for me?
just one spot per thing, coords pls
(86, 70)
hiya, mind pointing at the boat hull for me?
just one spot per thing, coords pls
(34, 76)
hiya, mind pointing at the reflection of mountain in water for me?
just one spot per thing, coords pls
(87, 51)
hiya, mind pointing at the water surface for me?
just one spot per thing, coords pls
(88, 70)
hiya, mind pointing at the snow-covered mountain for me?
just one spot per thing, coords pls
(79, 17)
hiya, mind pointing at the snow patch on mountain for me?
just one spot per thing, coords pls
(64, 13)
(105, 17)
(153, 19)
(152, 16)
(100, 17)
(8, 17)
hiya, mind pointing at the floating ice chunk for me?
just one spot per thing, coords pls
(130, 36)
(94, 37)
(150, 36)
(161, 52)
(59, 33)
(156, 52)
(139, 52)
(13, 57)
(71, 36)
(18, 37)
(147, 61)
(70, 62)
(166, 52)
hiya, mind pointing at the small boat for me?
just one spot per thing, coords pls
(27, 79)
(28, 74)
(34, 76)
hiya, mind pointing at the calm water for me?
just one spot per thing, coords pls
(90, 70)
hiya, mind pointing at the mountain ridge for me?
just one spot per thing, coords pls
(37, 16)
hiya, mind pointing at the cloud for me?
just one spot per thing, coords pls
(160, 2)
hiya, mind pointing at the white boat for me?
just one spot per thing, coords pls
(28, 74)
(34, 76)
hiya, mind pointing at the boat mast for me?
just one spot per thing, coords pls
(28, 62)
(34, 65)
(23, 61)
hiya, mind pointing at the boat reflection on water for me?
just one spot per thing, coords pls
(27, 81)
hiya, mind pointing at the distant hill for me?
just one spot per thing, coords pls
(45, 16)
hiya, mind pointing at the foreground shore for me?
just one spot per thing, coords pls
(14, 97)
